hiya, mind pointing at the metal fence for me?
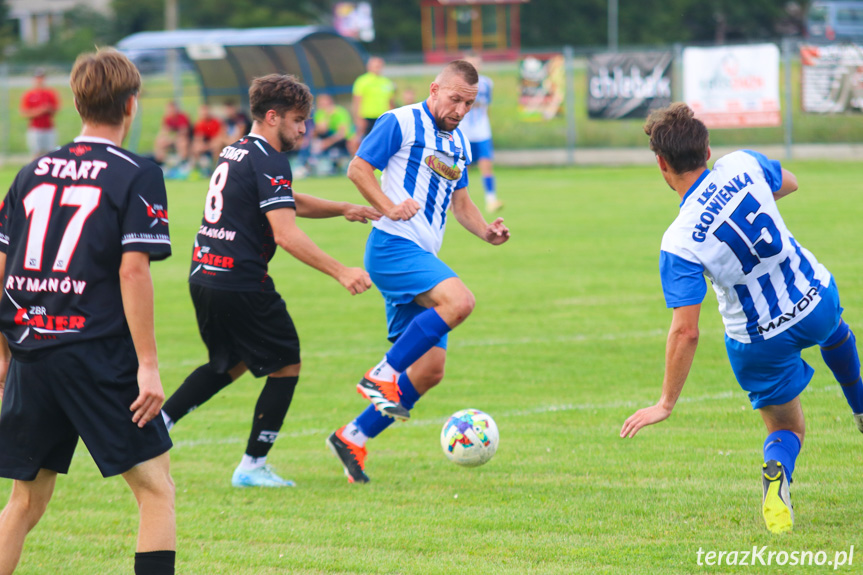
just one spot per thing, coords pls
(570, 132)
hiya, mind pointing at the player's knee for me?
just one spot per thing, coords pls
(288, 371)
(28, 505)
(463, 304)
(160, 491)
(428, 378)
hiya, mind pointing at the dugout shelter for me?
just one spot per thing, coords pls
(227, 60)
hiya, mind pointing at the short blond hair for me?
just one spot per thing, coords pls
(102, 82)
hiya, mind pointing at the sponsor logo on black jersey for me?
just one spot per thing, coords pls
(80, 150)
(210, 263)
(158, 212)
(278, 182)
(234, 154)
(69, 169)
(43, 324)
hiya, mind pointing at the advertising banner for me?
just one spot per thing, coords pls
(542, 87)
(733, 86)
(354, 20)
(832, 78)
(628, 85)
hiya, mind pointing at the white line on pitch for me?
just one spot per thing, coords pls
(457, 344)
(505, 415)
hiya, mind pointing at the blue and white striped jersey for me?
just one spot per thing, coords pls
(476, 125)
(730, 230)
(418, 161)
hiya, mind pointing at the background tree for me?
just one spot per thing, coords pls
(83, 28)
(544, 23)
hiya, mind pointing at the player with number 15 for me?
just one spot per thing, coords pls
(774, 297)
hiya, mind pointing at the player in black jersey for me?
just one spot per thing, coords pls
(250, 210)
(78, 230)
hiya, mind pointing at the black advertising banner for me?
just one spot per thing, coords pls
(628, 85)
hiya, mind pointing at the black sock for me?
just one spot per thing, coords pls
(201, 385)
(270, 413)
(155, 563)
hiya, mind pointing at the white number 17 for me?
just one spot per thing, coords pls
(38, 204)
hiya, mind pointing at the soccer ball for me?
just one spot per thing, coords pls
(469, 437)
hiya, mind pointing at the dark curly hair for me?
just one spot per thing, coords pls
(280, 92)
(679, 137)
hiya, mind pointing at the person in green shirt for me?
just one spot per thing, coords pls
(373, 95)
(335, 138)
(333, 127)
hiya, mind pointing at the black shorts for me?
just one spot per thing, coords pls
(82, 389)
(252, 327)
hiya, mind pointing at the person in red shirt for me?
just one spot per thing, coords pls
(205, 139)
(175, 133)
(39, 105)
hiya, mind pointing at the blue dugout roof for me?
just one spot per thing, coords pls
(227, 60)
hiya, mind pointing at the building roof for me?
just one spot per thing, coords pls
(228, 59)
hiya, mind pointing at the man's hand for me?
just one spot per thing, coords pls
(496, 233)
(643, 418)
(403, 211)
(363, 214)
(150, 396)
(355, 280)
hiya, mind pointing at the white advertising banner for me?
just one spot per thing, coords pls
(832, 78)
(733, 86)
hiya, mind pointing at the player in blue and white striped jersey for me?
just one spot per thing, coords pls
(774, 297)
(423, 156)
(477, 127)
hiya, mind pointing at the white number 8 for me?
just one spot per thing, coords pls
(215, 201)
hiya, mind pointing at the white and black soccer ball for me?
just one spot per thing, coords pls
(469, 437)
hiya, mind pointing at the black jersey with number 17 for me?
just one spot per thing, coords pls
(235, 241)
(64, 226)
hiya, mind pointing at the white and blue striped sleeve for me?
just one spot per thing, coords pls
(383, 141)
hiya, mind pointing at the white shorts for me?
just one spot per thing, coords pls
(41, 141)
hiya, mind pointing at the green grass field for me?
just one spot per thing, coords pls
(566, 341)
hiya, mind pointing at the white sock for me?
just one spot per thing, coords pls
(169, 423)
(250, 463)
(353, 434)
(385, 371)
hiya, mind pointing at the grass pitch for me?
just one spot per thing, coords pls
(566, 341)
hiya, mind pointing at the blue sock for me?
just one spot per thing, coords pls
(409, 396)
(372, 423)
(488, 184)
(840, 355)
(783, 446)
(422, 333)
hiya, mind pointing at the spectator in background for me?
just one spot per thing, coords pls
(477, 127)
(334, 133)
(373, 95)
(205, 140)
(408, 96)
(237, 124)
(38, 105)
(173, 136)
